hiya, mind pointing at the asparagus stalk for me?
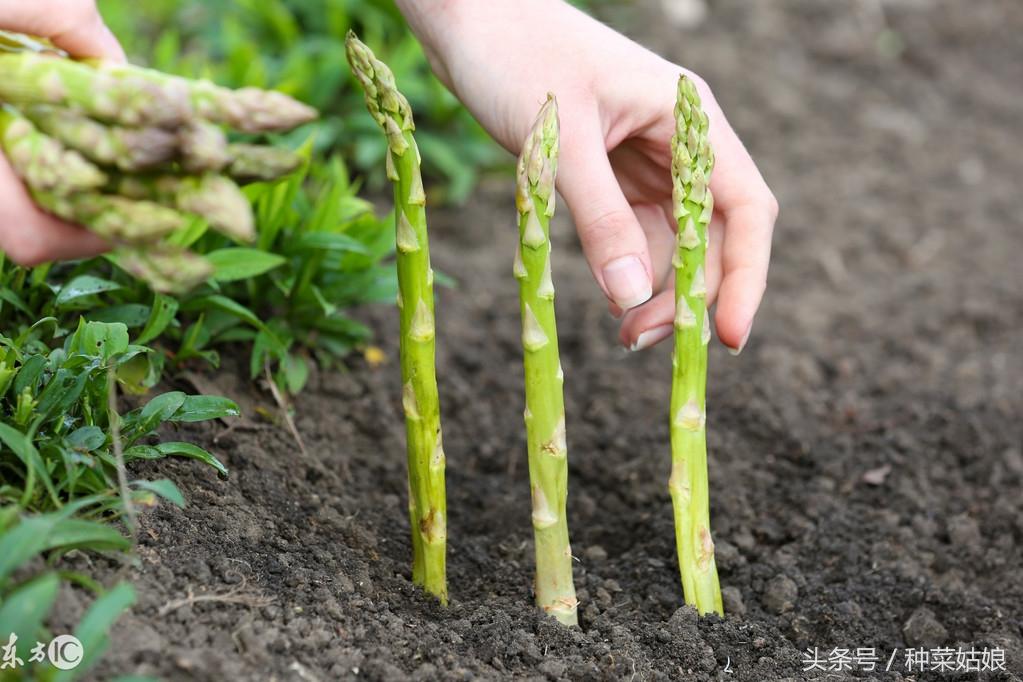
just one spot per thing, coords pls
(41, 161)
(117, 219)
(216, 198)
(545, 403)
(165, 269)
(118, 97)
(427, 505)
(691, 166)
(250, 110)
(203, 147)
(256, 162)
(128, 149)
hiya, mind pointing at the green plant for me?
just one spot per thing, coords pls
(427, 503)
(691, 166)
(545, 402)
(297, 46)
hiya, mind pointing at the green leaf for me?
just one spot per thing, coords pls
(82, 286)
(23, 611)
(163, 310)
(326, 241)
(102, 339)
(23, 542)
(131, 314)
(95, 624)
(86, 438)
(296, 372)
(22, 446)
(165, 489)
(79, 533)
(193, 451)
(198, 408)
(237, 263)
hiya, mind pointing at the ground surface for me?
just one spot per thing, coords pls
(888, 347)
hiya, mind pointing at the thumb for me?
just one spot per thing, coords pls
(612, 239)
(72, 25)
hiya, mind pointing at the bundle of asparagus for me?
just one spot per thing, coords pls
(691, 166)
(133, 154)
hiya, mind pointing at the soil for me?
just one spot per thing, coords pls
(866, 458)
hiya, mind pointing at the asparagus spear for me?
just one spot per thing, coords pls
(122, 97)
(427, 505)
(118, 219)
(216, 198)
(203, 147)
(43, 162)
(545, 403)
(128, 149)
(250, 110)
(256, 162)
(691, 166)
(165, 269)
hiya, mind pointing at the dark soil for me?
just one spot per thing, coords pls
(866, 449)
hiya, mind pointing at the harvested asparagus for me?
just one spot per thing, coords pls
(216, 198)
(128, 149)
(256, 162)
(545, 403)
(166, 269)
(41, 161)
(122, 97)
(117, 219)
(691, 166)
(202, 146)
(427, 504)
(250, 110)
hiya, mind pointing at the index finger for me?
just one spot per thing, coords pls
(750, 210)
(72, 25)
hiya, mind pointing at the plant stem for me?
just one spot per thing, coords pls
(544, 379)
(427, 504)
(692, 163)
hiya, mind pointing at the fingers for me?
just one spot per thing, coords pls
(29, 236)
(745, 256)
(73, 25)
(612, 238)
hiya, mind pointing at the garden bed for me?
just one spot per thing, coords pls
(865, 450)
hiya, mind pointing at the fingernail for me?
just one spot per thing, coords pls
(627, 282)
(742, 344)
(652, 336)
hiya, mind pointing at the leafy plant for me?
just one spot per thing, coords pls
(297, 46)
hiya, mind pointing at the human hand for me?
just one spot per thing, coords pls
(28, 235)
(616, 99)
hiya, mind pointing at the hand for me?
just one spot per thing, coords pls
(27, 234)
(501, 57)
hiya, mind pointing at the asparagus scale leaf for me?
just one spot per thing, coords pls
(427, 502)
(691, 166)
(544, 378)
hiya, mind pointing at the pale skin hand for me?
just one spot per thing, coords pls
(29, 236)
(501, 57)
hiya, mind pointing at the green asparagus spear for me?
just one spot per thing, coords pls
(250, 110)
(166, 269)
(256, 162)
(123, 97)
(43, 162)
(691, 166)
(216, 198)
(545, 403)
(118, 219)
(202, 146)
(427, 504)
(129, 149)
